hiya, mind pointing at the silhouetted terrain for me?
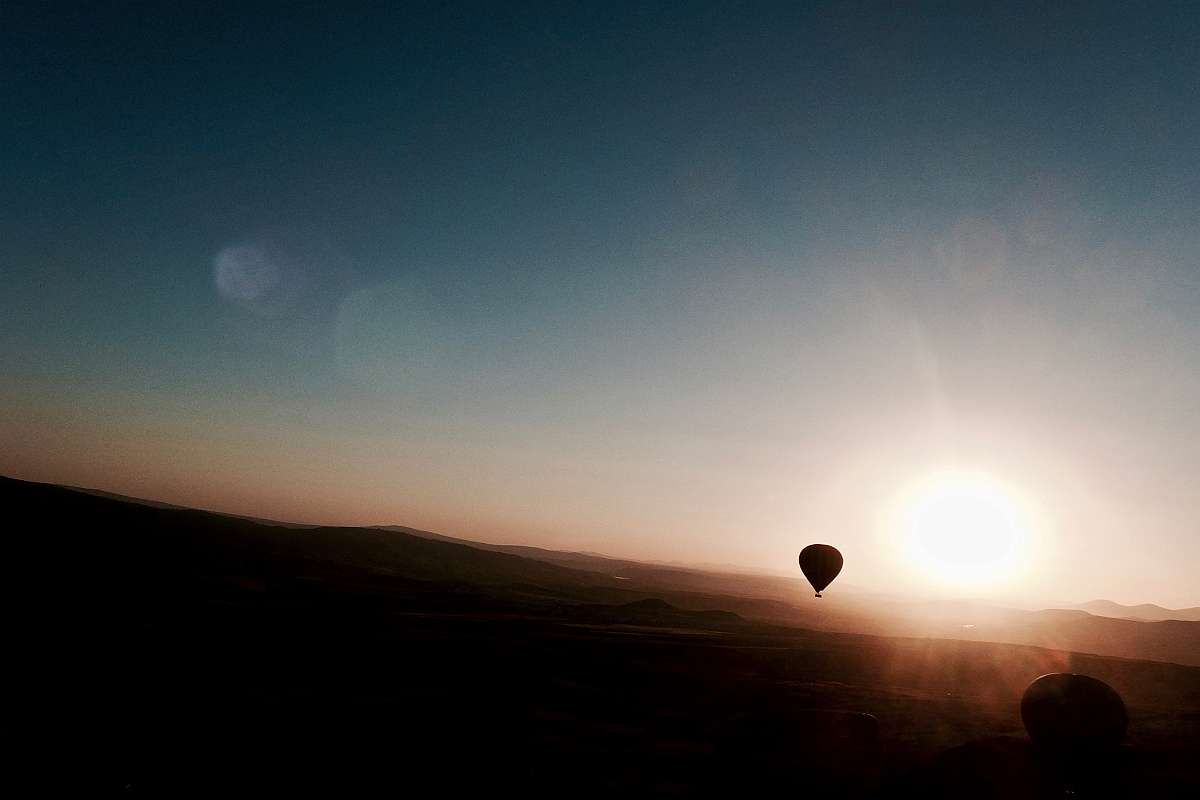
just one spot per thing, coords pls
(169, 651)
(781, 600)
(1147, 612)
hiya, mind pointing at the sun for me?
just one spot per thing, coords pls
(965, 530)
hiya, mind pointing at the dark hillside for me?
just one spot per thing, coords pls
(174, 652)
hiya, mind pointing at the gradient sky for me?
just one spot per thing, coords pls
(696, 282)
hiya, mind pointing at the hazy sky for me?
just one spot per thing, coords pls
(666, 281)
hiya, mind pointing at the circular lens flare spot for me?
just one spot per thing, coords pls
(245, 273)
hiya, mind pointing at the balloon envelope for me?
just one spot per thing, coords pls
(1066, 712)
(820, 563)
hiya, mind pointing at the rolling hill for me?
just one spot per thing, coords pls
(167, 651)
(1146, 612)
(168, 548)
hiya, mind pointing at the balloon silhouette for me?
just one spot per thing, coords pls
(820, 563)
(1070, 714)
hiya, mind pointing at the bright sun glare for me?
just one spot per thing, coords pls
(965, 530)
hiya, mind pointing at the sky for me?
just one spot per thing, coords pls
(690, 282)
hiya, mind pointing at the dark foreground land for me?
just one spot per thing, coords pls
(169, 652)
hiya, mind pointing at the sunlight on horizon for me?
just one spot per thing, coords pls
(965, 531)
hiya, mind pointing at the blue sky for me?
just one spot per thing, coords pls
(702, 281)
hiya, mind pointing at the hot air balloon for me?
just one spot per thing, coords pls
(820, 563)
(1070, 714)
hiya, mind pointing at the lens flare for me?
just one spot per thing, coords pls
(245, 273)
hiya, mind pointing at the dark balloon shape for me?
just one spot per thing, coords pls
(1068, 713)
(820, 563)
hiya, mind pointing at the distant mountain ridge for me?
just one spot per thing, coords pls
(1146, 612)
(663, 576)
(98, 546)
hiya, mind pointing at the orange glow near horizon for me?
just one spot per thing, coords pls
(966, 531)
